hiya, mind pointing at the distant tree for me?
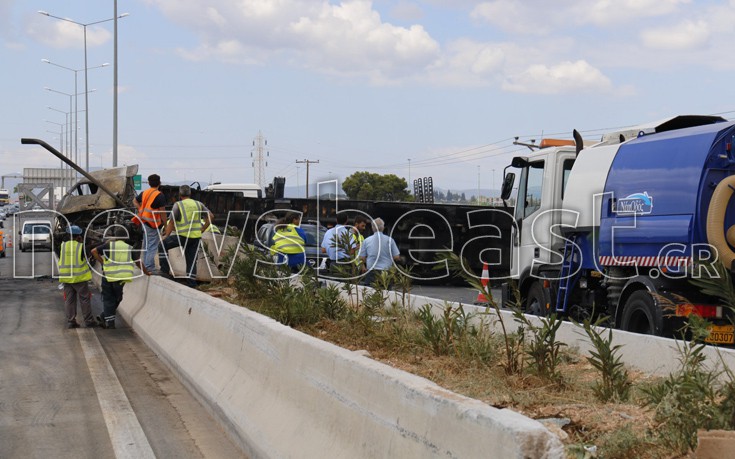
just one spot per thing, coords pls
(450, 196)
(439, 196)
(375, 187)
(463, 198)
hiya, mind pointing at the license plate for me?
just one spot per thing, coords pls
(721, 334)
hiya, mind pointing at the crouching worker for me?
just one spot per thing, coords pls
(288, 242)
(116, 259)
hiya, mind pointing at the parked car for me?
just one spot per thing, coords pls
(35, 234)
(264, 240)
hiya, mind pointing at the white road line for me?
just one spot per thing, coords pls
(126, 434)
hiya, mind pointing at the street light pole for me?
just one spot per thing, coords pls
(114, 89)
(76, 104)
(86, 90)
(61, 137)
(76, 156)
(66, 128)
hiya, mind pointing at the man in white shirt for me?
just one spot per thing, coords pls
(379, 252)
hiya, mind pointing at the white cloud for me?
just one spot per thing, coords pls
(512, 16)
(466, 62)
(562, 78)
(608, 12)
(407, 11)
(543, 17)
(687, 35)
(349, 38)
(62, 34)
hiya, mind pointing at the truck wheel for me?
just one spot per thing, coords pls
(642, 315)
(536, 300)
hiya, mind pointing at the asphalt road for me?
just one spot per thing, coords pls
(86, 393)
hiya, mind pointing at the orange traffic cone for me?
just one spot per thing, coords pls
(485, 279)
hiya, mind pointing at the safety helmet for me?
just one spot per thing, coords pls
(74, 230)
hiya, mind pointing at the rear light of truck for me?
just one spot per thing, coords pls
(707, 311)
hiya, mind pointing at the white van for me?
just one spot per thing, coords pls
(35, 234)
(248, 190)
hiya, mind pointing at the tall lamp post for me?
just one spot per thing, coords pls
(62, 126)
(64, 148)
(75, 139)
(76, 104)
(86, 90)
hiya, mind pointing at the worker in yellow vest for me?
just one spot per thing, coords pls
(118, 268)
(75, 274)
(211, 228)
(289, 241)
(186, 218)
(358, 226)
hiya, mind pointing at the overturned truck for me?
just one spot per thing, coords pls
(422, 231)
(98, 201)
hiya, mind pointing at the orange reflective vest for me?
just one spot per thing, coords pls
(146, 213)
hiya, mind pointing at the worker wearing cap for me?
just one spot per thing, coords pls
(75, 274)
(118, 268)
(186, 218)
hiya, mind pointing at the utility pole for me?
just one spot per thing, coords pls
(478, 184)
(259, 161)
(307, 162)
(410, 185)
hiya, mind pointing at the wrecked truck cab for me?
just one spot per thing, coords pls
(97, 203)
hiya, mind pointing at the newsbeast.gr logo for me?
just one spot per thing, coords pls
(636, 203)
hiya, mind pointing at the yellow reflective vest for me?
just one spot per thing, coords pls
(73, 266)
(287, 241)
(212, 228)
(119, 265)
(357, 240)
(189, 223)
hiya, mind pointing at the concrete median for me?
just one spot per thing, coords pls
(661, 356)
(281, 393)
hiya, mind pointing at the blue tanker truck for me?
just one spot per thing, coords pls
(620, 227)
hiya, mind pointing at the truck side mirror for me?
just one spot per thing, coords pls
(510, 177)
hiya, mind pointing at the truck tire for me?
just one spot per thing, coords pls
(642, 315)
(536, 301)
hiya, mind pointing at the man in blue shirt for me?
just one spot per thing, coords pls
(337, 241)
(379, 252)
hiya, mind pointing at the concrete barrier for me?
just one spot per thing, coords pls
(281, 393)
(651, 354)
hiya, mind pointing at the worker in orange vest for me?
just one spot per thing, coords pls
(151, 205)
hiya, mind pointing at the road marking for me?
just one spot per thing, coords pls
(126, 434)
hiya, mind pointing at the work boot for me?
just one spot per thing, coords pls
(106, 322)
(72, 324)
(91, 324)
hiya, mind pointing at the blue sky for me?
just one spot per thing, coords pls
(356, 85)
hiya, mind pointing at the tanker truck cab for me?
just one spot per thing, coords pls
(614, 229)
(540, 190)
